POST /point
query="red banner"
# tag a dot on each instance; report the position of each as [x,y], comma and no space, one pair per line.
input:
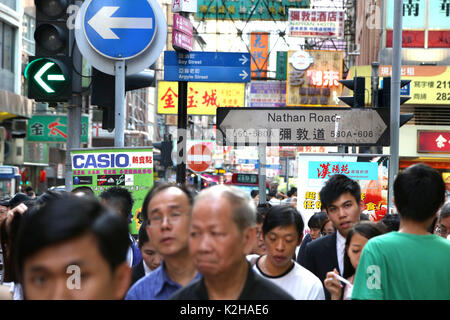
[259,50]
[433,141]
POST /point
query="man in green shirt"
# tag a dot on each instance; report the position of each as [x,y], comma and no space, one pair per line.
[410,264]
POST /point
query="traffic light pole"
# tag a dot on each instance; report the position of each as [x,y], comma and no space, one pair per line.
[395,97]
[74,110]
[182,132]
[120,111]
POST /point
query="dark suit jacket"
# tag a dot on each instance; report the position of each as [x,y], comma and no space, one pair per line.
[321,257]
[137,272]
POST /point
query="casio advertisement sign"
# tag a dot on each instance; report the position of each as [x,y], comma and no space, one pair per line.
[100,161]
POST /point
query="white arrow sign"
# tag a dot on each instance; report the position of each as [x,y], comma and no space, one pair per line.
[102,22]
[244,59]
[303,126]
[243,74]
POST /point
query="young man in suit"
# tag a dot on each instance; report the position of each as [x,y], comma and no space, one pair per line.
[341,198]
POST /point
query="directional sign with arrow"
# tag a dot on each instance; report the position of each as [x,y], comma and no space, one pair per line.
[303,126]
[207,66]
[119,29]
[49,79]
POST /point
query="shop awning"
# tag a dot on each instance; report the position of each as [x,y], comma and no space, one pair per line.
[13,105]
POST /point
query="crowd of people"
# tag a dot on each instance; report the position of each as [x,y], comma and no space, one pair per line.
[219,244]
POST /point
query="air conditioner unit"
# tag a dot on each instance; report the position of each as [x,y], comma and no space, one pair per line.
[19,128]
[16,152]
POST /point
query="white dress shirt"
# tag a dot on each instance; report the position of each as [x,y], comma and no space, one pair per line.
[340,249]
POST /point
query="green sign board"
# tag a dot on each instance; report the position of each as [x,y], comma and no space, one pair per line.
[53,128]
[247,9]
[103,168]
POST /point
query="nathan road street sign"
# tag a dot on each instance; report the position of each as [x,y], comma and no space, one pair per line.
[111,30]
[207,66]
[301,126]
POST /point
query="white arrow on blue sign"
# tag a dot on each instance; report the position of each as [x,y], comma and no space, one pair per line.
[119,29]
[199,66]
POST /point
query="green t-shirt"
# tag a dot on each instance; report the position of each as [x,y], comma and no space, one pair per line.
[403,266]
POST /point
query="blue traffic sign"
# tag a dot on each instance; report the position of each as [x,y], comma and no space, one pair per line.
[119,29]
[207,66]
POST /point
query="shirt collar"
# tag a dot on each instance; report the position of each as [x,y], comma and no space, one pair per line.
[340,239]
[162,278]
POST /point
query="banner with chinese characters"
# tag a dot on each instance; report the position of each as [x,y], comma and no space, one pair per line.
[259,50]
[317,23]
[102,168]
[203,97]
[429,84]
[433,141]
[313,77]
[422,20]
[53,128]
[247,9]
[315,170]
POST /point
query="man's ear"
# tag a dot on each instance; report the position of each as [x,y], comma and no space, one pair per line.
[249,238]
[122,280]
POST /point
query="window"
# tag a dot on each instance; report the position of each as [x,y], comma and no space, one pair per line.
[10,3]
[29,26]
[8,47]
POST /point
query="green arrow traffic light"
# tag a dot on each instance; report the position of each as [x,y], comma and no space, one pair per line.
[49,79]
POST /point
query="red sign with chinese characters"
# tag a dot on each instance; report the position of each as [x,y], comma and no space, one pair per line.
[259,50]
[433,141]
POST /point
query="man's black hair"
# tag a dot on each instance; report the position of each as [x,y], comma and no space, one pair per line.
[336,186]
[419,192]
[291,192]
[66,218]
[254,193]
[283,215]
[316,220]
[121,199]
[142,236]
[84,189]
[391,222]
[161,187]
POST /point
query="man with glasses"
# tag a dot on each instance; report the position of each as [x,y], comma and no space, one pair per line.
[167,213]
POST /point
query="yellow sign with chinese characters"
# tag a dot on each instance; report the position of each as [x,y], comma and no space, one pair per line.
[203,97]
[429,84]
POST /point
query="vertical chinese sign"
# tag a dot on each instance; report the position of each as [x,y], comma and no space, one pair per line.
[314,171]
[203,97]
[259,50]
[103,168]
[313,78]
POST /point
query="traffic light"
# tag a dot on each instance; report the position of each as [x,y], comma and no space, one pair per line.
[49,72]
[384,98]
[358,86]
[165,158]
[104,91]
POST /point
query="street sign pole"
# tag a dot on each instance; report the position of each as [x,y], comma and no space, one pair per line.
[262,173]
[395,98]
[74,110]
[182,132]
[120,110]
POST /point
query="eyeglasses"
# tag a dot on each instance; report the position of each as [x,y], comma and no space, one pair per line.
[157,219]
[443,231]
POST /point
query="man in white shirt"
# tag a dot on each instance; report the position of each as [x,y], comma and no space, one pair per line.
[282,231]
[341,198]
